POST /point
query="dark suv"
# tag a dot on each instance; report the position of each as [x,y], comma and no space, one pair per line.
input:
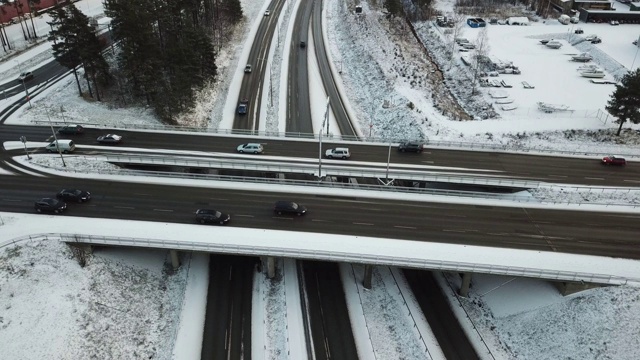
[289,207]
[50,205]
[208,216]
[410,147]
[71,130]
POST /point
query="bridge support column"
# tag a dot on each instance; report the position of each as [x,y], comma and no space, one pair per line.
[271,267]
[368,275]
[466,283]
[175,261]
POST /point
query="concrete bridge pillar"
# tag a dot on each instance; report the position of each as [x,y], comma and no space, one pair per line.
[175,261]
[368,275]
[271,267]
[466,283]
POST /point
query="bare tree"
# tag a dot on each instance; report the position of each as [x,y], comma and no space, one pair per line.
[482,50]
[458,24]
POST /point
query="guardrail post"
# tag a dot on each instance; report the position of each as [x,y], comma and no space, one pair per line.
[466,283]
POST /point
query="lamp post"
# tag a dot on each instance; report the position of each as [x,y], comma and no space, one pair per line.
[24,141]
[326,120]
[23,84]
[55,138]
[388,163]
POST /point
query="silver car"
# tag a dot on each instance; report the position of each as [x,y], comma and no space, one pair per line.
[251,148]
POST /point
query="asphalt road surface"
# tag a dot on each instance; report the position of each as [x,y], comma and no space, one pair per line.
[227,328]
[445,326]
[553,169]
[581,232]
[331,332]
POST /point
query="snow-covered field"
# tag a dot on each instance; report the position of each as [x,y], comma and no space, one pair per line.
[44,288]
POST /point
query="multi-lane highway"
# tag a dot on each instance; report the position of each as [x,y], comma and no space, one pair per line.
[552,169]
[595,233]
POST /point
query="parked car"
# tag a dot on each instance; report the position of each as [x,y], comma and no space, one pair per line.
[596,40]
[579,31]
[74,195]
[267,13]
[247,69]
[411,146]
[71,130]
[242,109]
[252,148]
[338,153]
[614,22]
[62,145]
[289,207]
[209,216]
[110,139]
[50,205]
[25,76]
[614,160]
[635,42]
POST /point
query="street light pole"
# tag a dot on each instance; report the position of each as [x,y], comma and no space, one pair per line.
[24,142]
[23,84]
[55,138]
[388,162]
[326,120]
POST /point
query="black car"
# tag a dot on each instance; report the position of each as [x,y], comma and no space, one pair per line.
[303,44]
[71,130]
[50,205]
[74,195]
[25,76]
[410,147]
[208,216]
[289,207]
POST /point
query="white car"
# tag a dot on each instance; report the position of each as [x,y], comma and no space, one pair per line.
[338,153]
[109,139]
[267,13]
[251,148]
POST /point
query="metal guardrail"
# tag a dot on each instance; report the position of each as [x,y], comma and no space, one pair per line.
[328,170]
[454,145]
[349,257]
[340,185]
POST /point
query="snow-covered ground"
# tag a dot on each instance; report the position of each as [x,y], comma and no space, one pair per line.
[518,318]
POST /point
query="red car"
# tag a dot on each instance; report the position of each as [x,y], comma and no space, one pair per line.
[614,160]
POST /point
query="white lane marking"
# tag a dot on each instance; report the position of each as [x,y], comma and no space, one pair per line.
[17,200]
[25,171]
[366,224]
[453,230]
[633,181]
[219,199]
[141,194]
[319,220]
[428,162]
[240,215]
[124,207]
[559,176]
[592,178]
[163,210]
[404,227]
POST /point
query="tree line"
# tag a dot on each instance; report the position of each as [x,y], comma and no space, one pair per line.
[166,50]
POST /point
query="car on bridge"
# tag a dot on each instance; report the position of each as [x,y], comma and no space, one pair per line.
[267,13]
[252,148]
[411,146]
[338,153]
[50,205]
[74,194]
[289,207]
[242,109]
[614,160]
[110,139]
[247,69]
[209,216]
[71,130]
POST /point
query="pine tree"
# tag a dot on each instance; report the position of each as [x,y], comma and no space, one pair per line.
[625,101]
[65,47]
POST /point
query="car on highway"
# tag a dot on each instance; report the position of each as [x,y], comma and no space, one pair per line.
[251,148]
[411,146]
[110,139]
[338,153]
[50,205]
[242,109]
[209,216]
[71,130]
[614,160]
[25,76]
[303,44]
[289,207]
[74,195]
[267,13]
[247,69]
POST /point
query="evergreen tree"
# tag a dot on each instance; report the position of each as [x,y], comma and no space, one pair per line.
[394,7]
[65,48]
[625,101]
[235,11]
